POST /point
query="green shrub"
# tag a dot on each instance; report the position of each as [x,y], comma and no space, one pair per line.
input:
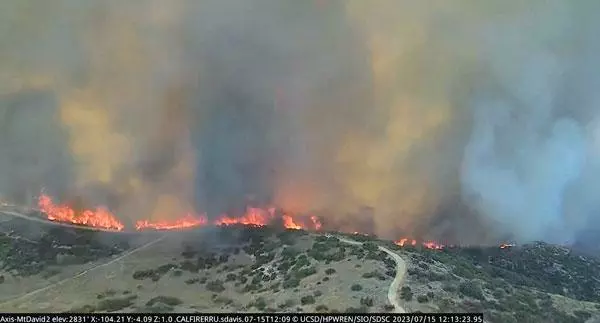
[471,289]
[499,293]
[289,253]
[366,301]
[115,304]
[406,293]
[286,304]
[143,274]
[370,246]
[450,287]
[356,288]
[275,286]
[292,282]
[463,271]
[163,269]
[446,304]
[306,300]
[436,276]
[369,275]
[215,286]
[422,299]
[168,300]
[287,237]
[260,303]
[305,272]
[330,271]
[321,308]
[252,287]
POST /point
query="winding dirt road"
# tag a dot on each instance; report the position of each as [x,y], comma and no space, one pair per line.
[392,291]
[400,273]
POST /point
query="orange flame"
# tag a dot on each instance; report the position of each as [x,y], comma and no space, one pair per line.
[317,224]
[103,218]
[426,244]
[187,221]
[289,223]
[100,218]
[432,245]
[253,216]
[403,242]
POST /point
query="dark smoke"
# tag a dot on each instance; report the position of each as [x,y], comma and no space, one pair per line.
[471,122]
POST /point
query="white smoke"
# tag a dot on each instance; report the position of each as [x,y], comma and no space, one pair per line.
[528,151]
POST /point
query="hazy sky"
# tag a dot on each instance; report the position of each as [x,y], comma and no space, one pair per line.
[467,120]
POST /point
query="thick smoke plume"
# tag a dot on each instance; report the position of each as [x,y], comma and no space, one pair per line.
[466,120]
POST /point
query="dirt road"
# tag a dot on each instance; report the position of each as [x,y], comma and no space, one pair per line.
[400,273]
[66,280]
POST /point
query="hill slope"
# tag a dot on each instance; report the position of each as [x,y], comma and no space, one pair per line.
[242,268]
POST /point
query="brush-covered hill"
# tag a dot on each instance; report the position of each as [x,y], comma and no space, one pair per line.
[536,282]
[239,268]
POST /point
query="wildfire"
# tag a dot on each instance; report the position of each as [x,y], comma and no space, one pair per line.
[403,242]
[253,216]
[187,221]
[103,218]
[506,245]
[289,223]
[316,222]
[426,244]
[433,245]
[100,218]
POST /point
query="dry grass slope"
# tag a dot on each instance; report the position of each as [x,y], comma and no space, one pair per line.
[219,269]
[268,269]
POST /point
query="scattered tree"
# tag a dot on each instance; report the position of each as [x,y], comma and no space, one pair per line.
[422,299]
[215,286]
[406,293]
[366,301]
[471,289]
[356,288]
[307,300]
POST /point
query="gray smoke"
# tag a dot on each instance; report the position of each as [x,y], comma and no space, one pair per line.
[471,121]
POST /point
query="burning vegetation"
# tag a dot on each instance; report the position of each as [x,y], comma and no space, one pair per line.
[103,219]
[100,217]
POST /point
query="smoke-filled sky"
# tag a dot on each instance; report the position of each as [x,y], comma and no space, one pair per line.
[465,120]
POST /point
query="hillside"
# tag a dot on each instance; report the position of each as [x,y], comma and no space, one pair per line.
[530,283]
[240,268]
[234,268]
